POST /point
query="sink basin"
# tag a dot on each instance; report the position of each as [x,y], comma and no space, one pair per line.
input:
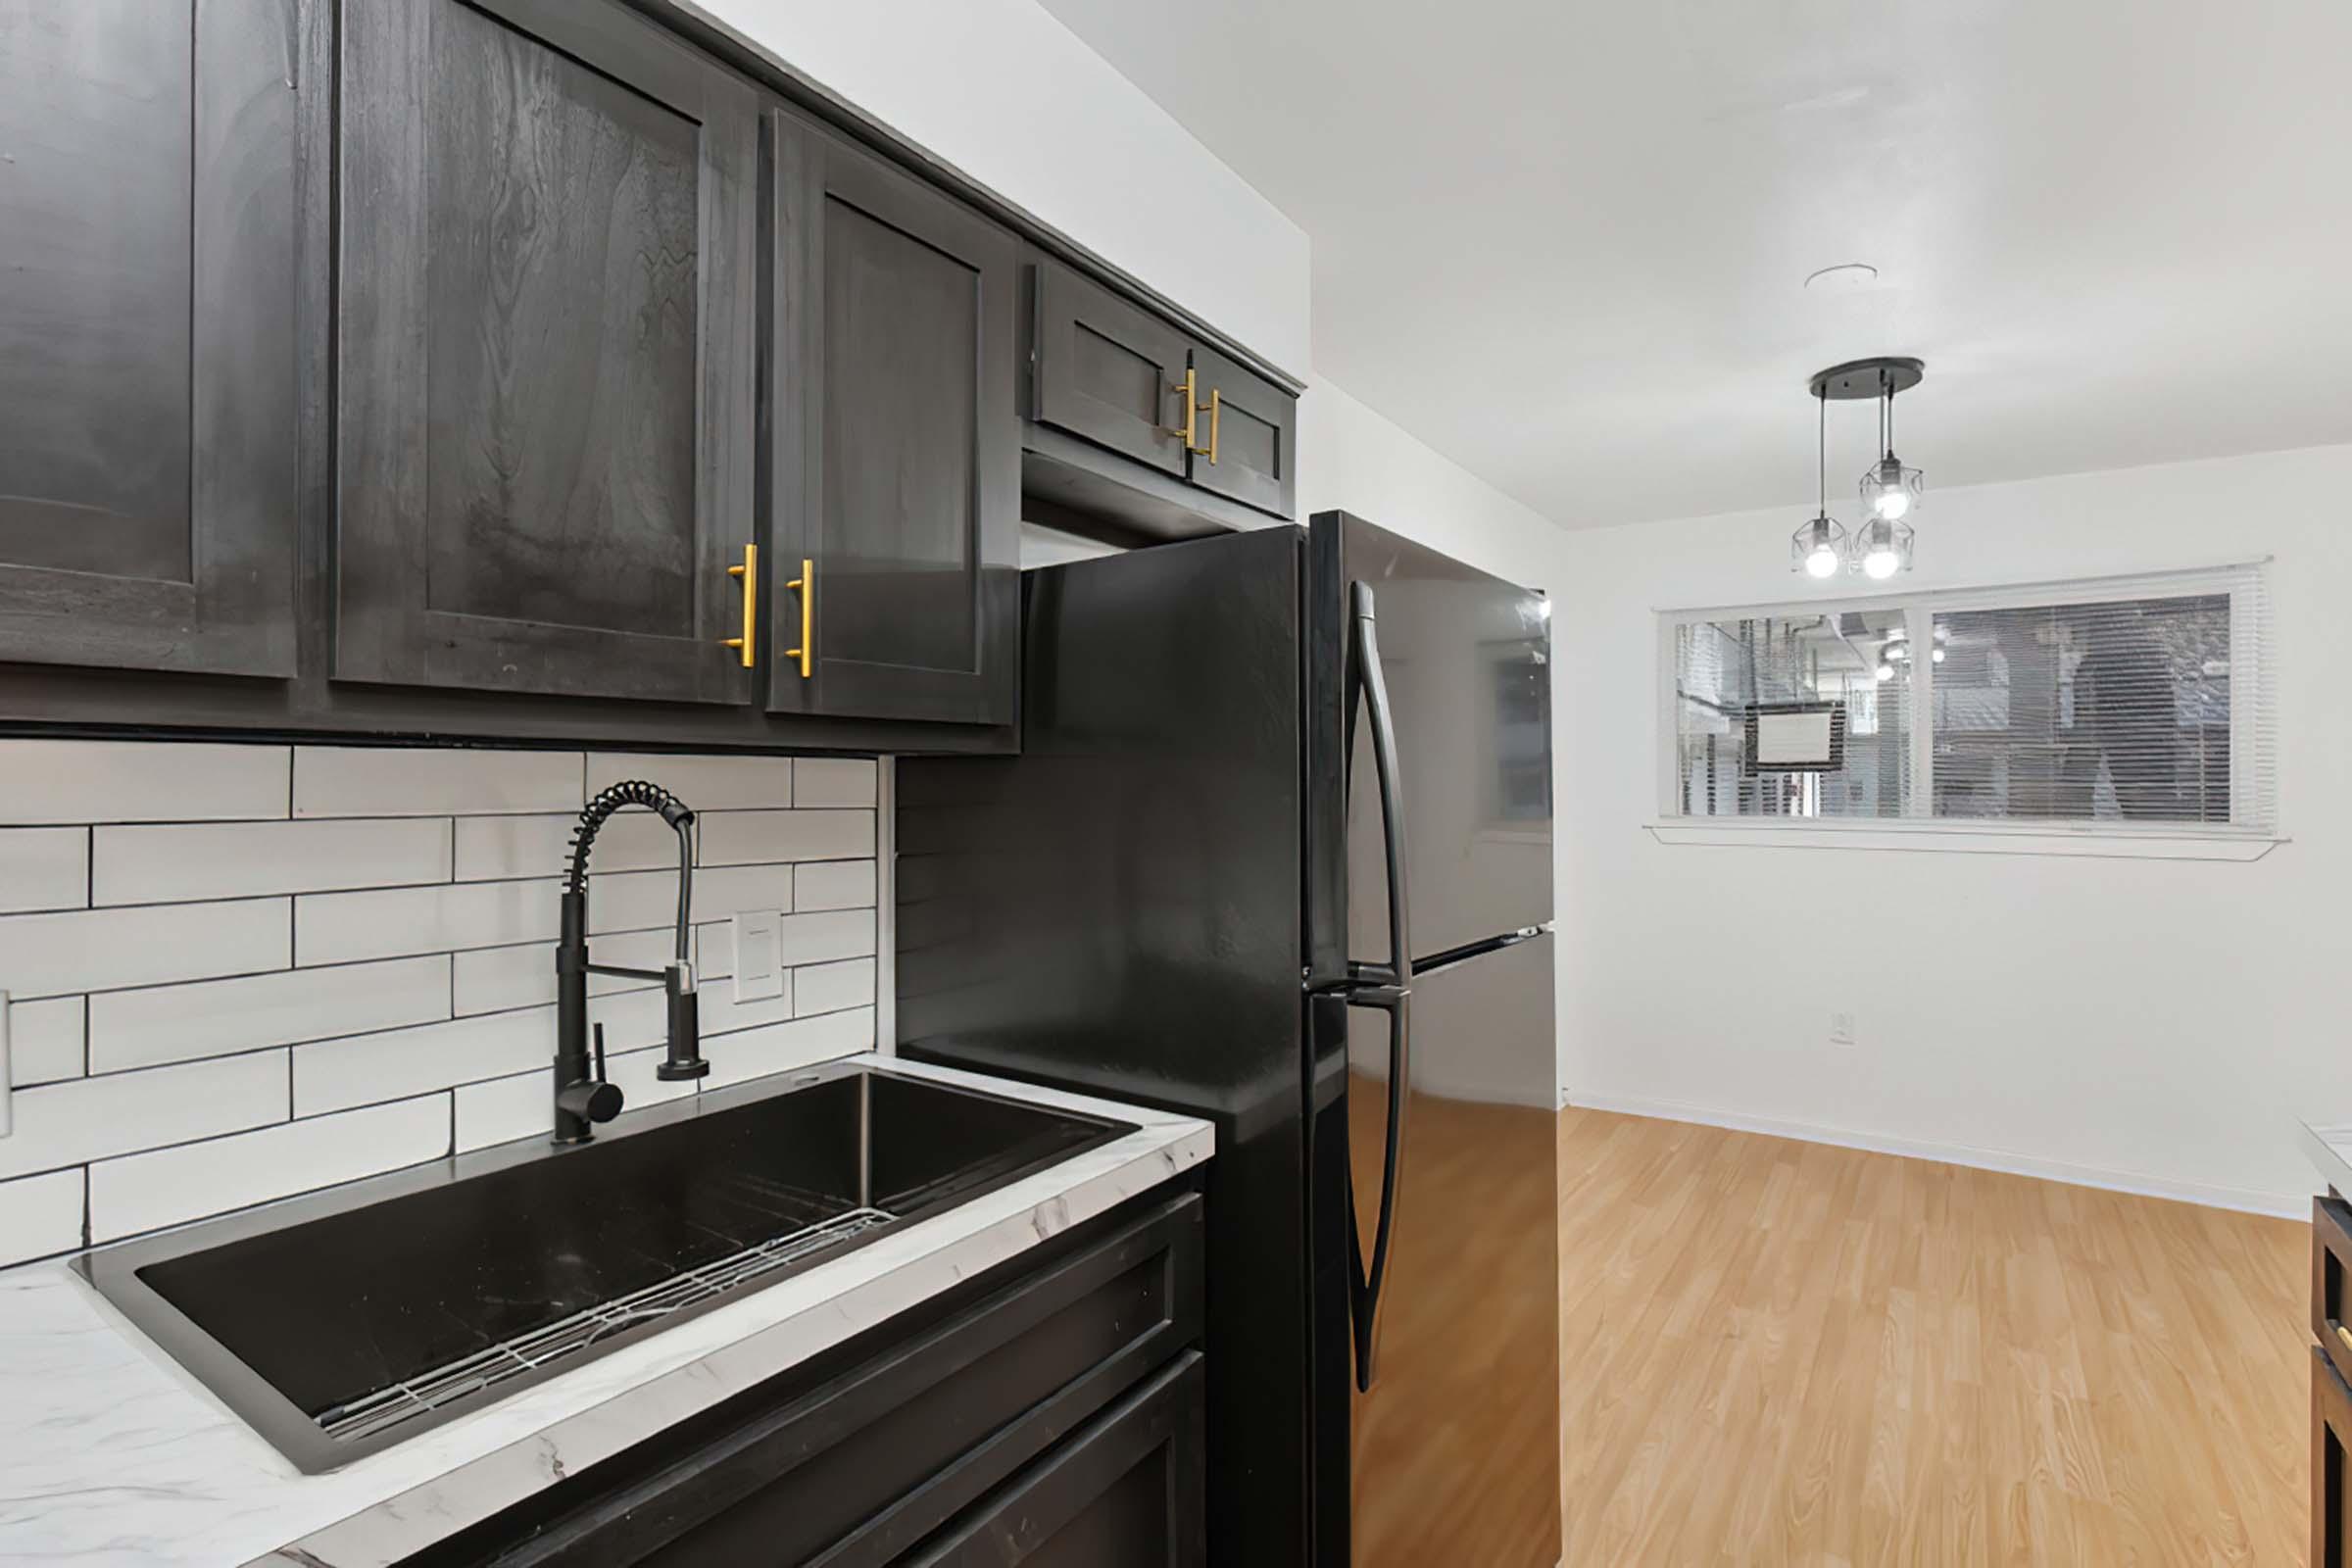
[343,1323]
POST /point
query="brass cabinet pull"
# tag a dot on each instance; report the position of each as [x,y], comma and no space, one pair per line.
[1188,431]
[749,572]
[1215,406]
[805,586]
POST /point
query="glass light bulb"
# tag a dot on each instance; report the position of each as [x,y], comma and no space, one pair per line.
[1938,655]
[1880,564]
[1821,562]
[1892,503]
[1886,671]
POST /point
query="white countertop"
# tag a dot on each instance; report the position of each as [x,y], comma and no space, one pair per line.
[2329,1145]
[110,1453]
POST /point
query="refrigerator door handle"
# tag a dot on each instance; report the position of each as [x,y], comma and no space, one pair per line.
[1367,1281]
[1389,989]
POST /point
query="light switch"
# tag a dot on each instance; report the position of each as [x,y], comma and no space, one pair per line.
[758,955]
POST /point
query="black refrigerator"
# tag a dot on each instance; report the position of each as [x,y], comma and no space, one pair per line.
[1277,853]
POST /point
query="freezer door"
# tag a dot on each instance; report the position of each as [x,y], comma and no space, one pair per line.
[1467,661]
[1455,1447]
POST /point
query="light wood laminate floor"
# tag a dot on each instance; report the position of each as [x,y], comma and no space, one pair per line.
[1777,1352]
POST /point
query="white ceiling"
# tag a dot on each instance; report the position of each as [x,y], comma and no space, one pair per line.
[1565,241]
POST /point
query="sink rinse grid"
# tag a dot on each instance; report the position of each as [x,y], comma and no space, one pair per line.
[510,1358]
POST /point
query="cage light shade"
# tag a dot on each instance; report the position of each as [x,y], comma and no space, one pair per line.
[1818,548]
[1880,549]
[1891,491]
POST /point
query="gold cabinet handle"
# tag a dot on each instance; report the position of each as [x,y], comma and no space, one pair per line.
[1188,431]
[1215,406]
[749,572]
[805,586]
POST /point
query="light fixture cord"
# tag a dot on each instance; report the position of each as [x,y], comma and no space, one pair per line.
[1887,412]
[1821,448]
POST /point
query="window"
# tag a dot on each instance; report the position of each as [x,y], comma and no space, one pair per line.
[2124,703]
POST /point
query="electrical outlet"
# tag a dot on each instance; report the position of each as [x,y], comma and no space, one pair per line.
[1841,1028]
[758,955]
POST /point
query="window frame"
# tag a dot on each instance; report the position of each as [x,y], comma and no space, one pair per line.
[2253,749]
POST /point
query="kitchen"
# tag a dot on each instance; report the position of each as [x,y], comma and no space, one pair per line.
[745,820]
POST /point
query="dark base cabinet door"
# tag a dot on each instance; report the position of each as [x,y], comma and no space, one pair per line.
[545,351]
[2330,1466]
[1124,1492]
[147,358]
[894,470]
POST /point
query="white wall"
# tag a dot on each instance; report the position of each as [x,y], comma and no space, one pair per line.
[1007,94]
[2157,1026]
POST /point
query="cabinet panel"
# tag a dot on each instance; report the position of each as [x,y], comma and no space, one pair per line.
[147,359]
[1124,1492]
[2330,1465]
[897,465]
[545,350]
[1250,428]
[1106,370]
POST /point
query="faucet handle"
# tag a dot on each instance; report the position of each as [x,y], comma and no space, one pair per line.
[601,1076]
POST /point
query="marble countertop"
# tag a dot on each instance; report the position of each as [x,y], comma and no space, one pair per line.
[2329,1147]
[110,1453]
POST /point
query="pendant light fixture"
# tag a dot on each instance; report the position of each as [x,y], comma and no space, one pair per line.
[1818,549]
[1882,546]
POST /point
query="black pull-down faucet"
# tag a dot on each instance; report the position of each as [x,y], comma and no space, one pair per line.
[584,1097]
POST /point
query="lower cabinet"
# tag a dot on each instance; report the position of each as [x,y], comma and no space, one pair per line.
[2330,1468]
[1048,1412]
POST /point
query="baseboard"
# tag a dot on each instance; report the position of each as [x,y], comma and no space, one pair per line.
[2238,1199]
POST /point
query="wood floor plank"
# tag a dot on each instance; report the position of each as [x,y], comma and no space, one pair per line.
[1782,1353]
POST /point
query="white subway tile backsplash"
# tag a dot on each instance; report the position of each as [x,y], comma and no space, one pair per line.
[44,868]
[391,923]
[171,1185]
[831,987]
[139,781]
[782,1047]
[101,950]
[491,846]
[157,1024]
[833,885]
[818,938]
[631,901]
[244,971]
[428,781]
[833,781]
[704,783]
[157,864]
[722,1015]
[41,1216]
[398,1063]
[743,838]
[495,979]
[91,1118]
[45,1040]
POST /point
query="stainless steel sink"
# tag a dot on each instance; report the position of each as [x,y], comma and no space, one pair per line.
[343,1323]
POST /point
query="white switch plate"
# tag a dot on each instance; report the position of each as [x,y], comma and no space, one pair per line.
[758,955]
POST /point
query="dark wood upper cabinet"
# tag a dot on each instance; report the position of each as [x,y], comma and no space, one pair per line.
[147,335]
[1109,370]
[893,464]
[545,338]
[1247,435]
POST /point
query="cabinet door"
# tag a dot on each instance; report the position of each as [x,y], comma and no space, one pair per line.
[895,459]
[2330,1466]
[147,469]
[545,350]
[1250,431]
[1124,1492]
[1107,370]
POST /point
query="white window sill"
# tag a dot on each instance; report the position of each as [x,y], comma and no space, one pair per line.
[1970,838]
